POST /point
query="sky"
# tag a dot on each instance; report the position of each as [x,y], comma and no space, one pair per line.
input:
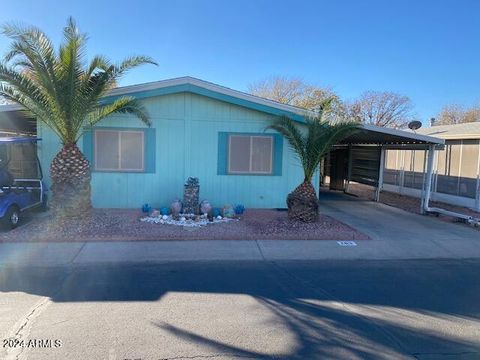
[427,50]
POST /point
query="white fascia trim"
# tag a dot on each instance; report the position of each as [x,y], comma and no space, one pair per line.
[187,80]
[402,133]
[461,136]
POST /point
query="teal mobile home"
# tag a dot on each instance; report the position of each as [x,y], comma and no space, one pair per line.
[198,129]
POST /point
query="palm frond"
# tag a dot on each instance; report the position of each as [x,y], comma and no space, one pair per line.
[314,139]
[292,133]
[98,63]
[34,53]
[133,62]
[60,88]
[34,105]
[123,105]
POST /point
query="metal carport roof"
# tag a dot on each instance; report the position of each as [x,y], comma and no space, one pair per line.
[391,138]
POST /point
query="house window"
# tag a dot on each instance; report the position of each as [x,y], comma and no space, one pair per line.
[119,150]
[250,154]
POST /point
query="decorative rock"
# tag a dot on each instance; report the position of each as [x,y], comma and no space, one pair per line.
[165,217]
[176,207]
[192,181]
[185,222]
[191,192]
[228,211]
[155,213]
[205,207]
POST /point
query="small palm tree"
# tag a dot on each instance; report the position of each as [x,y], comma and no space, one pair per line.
[65,93]
[310,142]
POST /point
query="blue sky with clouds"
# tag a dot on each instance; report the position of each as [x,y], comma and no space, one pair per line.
[428,50]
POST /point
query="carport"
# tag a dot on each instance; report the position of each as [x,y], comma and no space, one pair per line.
[15,122]
[361,158]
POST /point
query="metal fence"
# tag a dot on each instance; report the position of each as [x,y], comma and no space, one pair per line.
[456,172]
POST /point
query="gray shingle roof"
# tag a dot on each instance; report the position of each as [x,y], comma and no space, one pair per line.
[457,131]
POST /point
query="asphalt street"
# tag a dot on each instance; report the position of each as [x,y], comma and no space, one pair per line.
[342,309]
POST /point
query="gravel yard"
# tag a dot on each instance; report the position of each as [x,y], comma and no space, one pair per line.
[125,225]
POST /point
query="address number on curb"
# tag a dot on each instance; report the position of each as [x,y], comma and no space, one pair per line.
[347,243]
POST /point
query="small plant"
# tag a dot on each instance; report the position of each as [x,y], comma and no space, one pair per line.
[165,211]
[146,208]
[239,209]
[217,212]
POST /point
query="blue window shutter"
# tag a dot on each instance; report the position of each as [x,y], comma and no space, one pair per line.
[150,150]
[222,153]
[88,145]
[277,154]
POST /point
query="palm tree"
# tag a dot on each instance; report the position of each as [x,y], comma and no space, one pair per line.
[64,92]
[310,142]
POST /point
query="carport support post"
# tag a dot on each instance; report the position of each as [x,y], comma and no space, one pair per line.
[477,197]
[349,169]
[381,168]
[428,185]
[422,197]
[477,193]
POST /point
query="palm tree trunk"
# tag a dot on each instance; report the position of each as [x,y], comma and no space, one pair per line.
[303,203]
[71,192]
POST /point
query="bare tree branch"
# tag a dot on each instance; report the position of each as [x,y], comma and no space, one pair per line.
[296,92]
[457,114]
[385,109]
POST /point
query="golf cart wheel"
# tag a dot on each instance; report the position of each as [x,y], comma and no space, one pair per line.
[12,217]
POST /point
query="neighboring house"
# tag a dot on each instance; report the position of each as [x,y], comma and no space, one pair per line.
[456,168]
[198,129]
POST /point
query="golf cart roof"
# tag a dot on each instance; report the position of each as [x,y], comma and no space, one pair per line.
[23,139]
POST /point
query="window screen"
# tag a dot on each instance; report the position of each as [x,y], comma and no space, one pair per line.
[131,150]
[239,154]
[449,167]
[391,173]
[119,150]
[250,154]
[468,169]
[261,154]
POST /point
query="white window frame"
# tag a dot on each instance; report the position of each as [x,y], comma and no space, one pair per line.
[119,134]
[250,171]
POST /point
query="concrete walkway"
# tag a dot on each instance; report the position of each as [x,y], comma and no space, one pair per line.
[395,234]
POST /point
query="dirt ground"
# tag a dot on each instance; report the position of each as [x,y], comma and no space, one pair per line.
[405,202]
[125,225]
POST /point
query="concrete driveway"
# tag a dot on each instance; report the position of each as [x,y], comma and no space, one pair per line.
[383,222]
